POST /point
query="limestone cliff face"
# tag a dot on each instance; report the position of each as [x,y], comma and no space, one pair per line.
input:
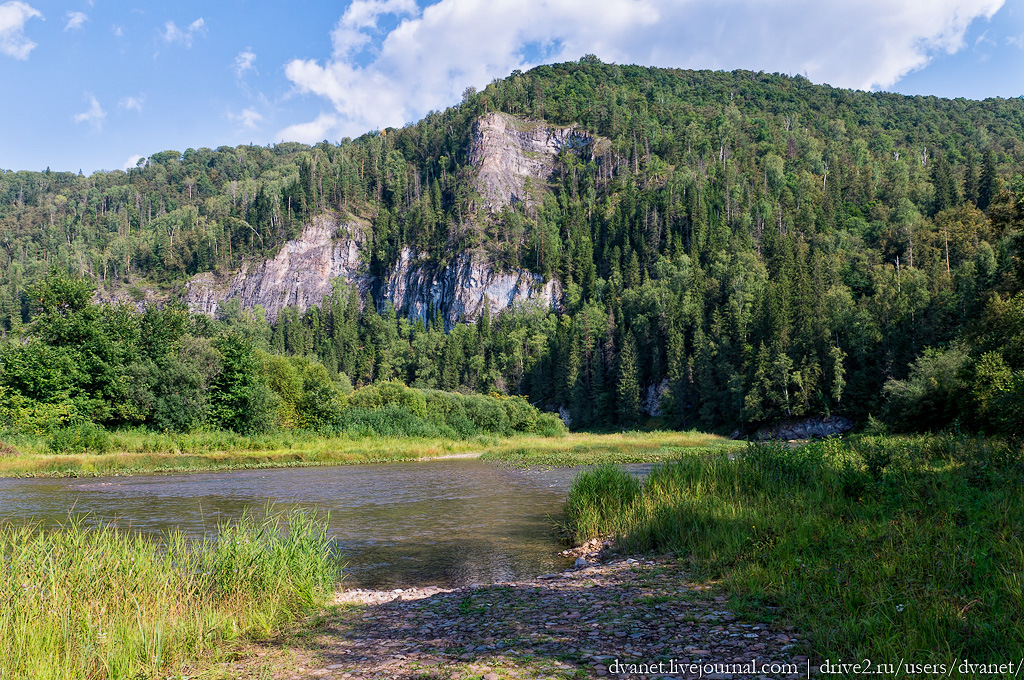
[514,159]
[459,290]
[301,274]
[509,153]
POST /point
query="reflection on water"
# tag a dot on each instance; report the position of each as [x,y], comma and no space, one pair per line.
[447,522]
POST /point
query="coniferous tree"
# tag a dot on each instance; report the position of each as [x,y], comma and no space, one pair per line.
[628,387]
[988,185]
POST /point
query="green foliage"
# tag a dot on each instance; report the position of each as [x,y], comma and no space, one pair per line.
[932,396]
[872,546]
[597,500]
[82,437]
[239,397]
[770,247]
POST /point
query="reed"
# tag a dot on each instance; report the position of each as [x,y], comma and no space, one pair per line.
[79,602]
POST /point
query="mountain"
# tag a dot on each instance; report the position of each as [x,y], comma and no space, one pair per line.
[720,248]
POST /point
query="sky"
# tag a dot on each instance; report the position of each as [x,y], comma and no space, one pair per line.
[100,84]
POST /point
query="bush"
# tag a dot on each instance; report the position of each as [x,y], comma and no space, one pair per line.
[390,393]
[86,436]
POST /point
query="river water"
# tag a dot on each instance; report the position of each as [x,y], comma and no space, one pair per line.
[444,522]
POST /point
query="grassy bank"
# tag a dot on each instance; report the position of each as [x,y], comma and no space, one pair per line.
[88,603]
[881,548]
[582,448]
[141,451]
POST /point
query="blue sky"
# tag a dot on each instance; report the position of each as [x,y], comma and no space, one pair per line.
[98,84]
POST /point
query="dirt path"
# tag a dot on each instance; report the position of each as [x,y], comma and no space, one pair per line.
[584,623]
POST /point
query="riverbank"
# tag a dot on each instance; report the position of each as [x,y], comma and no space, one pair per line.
[81,603]
[880,548]
[588,622]
[140,452]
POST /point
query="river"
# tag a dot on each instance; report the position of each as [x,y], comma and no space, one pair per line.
[444,522]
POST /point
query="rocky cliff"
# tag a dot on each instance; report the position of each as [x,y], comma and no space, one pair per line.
[300,275]
[514,158]
[459,290]
[303,274]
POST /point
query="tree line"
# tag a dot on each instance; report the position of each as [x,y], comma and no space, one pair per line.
[749,245]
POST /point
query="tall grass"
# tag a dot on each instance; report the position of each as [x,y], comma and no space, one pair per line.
[598,499]
[881,548]
[101,603]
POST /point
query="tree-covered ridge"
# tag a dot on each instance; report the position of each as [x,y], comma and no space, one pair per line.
[768,247]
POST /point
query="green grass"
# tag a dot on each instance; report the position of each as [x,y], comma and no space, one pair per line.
[100,603]
[583,448]
[880,548]
[136,451]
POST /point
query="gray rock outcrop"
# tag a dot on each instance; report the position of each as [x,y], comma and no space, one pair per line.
[303,273]
[514,158]
[806,428]
[300,275]
[459,290]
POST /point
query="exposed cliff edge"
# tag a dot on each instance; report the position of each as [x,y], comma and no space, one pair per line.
[303,274]
[514,157]
[300,275]
[458,291]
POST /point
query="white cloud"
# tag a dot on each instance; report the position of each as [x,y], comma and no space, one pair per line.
[311,132]
[173,34]
[132,162]
[117,30]
[94,115]
[1016,41]
[245,61]
[249,118]
[13,17]
[76,20]
[431,56]
[131,103]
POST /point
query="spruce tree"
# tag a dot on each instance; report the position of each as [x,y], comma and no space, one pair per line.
[628,389]
[989,184]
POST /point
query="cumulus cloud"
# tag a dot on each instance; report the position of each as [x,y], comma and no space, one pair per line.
[312,132]
[244,61]
[94,115]
[132,103]
[249,118]
[173,34]
[76,20]
[13,17]
[132,162]
[433,54]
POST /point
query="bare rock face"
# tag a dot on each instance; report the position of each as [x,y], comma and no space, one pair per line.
[806,428]
[510,153]
[460,290]
[301,274]
[652,398]
[514,159]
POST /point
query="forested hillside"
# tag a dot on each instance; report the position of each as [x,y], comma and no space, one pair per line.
[745,247]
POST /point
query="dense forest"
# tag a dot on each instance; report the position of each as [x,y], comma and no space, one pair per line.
[746,247]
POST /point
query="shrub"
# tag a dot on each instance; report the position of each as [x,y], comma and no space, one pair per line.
[85,436]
